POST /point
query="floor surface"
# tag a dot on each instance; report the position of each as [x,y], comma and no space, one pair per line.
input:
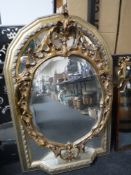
[115,163]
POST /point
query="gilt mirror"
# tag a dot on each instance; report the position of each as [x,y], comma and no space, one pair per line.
[58,73]
[122,99]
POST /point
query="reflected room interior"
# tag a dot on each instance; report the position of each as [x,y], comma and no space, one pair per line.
[65,98]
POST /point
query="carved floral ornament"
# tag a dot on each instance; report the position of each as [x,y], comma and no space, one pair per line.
[123,64]
[62,36]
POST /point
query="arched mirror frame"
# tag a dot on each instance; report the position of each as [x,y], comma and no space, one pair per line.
[19,85]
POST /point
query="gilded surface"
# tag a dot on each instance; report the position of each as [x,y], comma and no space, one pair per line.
[122,66]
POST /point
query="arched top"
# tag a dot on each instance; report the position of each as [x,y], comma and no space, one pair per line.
[36,27]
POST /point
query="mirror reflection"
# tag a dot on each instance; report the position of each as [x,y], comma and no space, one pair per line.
[65,98]
[128,71]
[124,111]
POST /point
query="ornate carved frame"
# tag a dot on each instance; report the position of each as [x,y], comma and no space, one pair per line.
[87,43]
[122,65]
[123,62]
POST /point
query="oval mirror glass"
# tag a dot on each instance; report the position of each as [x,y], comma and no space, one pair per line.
[65,98]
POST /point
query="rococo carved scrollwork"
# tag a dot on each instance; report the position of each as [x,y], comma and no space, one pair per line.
[64,38]
[123,64]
